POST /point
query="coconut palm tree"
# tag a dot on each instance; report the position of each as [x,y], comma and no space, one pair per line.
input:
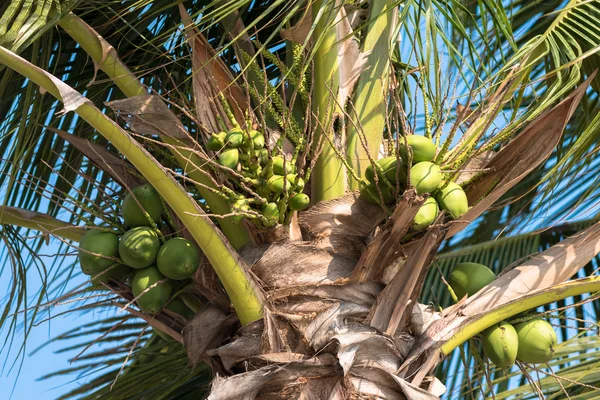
[314,280]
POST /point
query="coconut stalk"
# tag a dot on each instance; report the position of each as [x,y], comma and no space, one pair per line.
[370,100]
[329,173]
[107,60]
[40,222]
[228,266]
[527,302]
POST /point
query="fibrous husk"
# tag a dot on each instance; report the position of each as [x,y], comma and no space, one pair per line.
[342,225]
[386,248]
[389,314]
[275,377]
[211,78]
[209,327]
[149,115]
[304,265]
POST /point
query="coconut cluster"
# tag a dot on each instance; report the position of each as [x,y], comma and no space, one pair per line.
[388,177]
[531,341]
[152,264]
[272,176]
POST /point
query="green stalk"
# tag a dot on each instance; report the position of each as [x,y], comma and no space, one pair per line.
[369,111]
[222,257]
[106,59]
[39,222]
[329,174]
[528,302]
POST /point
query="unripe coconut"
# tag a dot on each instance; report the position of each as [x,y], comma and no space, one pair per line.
[370,194]
[468,278]
[154,299]
[148,197]
[278,163]
[234,138]
[426,215]
[453,199]
[178,306]
[229,158]
[216,141]
[178,259]
[103,245]
[501,343]
[299,202]
[120,272]
[138,247]
[276,184]
[271,212]
[423,149]
[537,340]
[295,181]
[388,166]
[425,177]
[258,140]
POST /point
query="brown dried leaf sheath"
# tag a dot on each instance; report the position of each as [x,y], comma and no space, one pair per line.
[519,157]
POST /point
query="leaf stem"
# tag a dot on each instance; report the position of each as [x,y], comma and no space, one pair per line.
[328,175]
[530,301]
[40,222]
[106,59]
[225,261]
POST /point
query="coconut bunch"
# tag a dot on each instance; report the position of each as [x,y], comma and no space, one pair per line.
[389,177]
[278,189]
[153,264]
[530,340]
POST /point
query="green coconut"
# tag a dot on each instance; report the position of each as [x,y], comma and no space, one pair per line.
[389,166]
[148,197]
[154,299]
[216,141]
[453,199]
[423,149]
[229,158]
[295,181]
[258,140]
[103,245]
[138,247]
[425,177]
[500,344]
[271,212]
[178,259]
[468,278]
[234,138]
[370,194]
[278,163]
[299,202]
[426,215]
[537,341]
[276,184]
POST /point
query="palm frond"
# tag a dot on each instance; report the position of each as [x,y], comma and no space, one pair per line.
[462,372]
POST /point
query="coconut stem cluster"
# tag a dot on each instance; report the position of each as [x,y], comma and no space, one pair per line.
[387,179]
[271,175]
[153,269]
